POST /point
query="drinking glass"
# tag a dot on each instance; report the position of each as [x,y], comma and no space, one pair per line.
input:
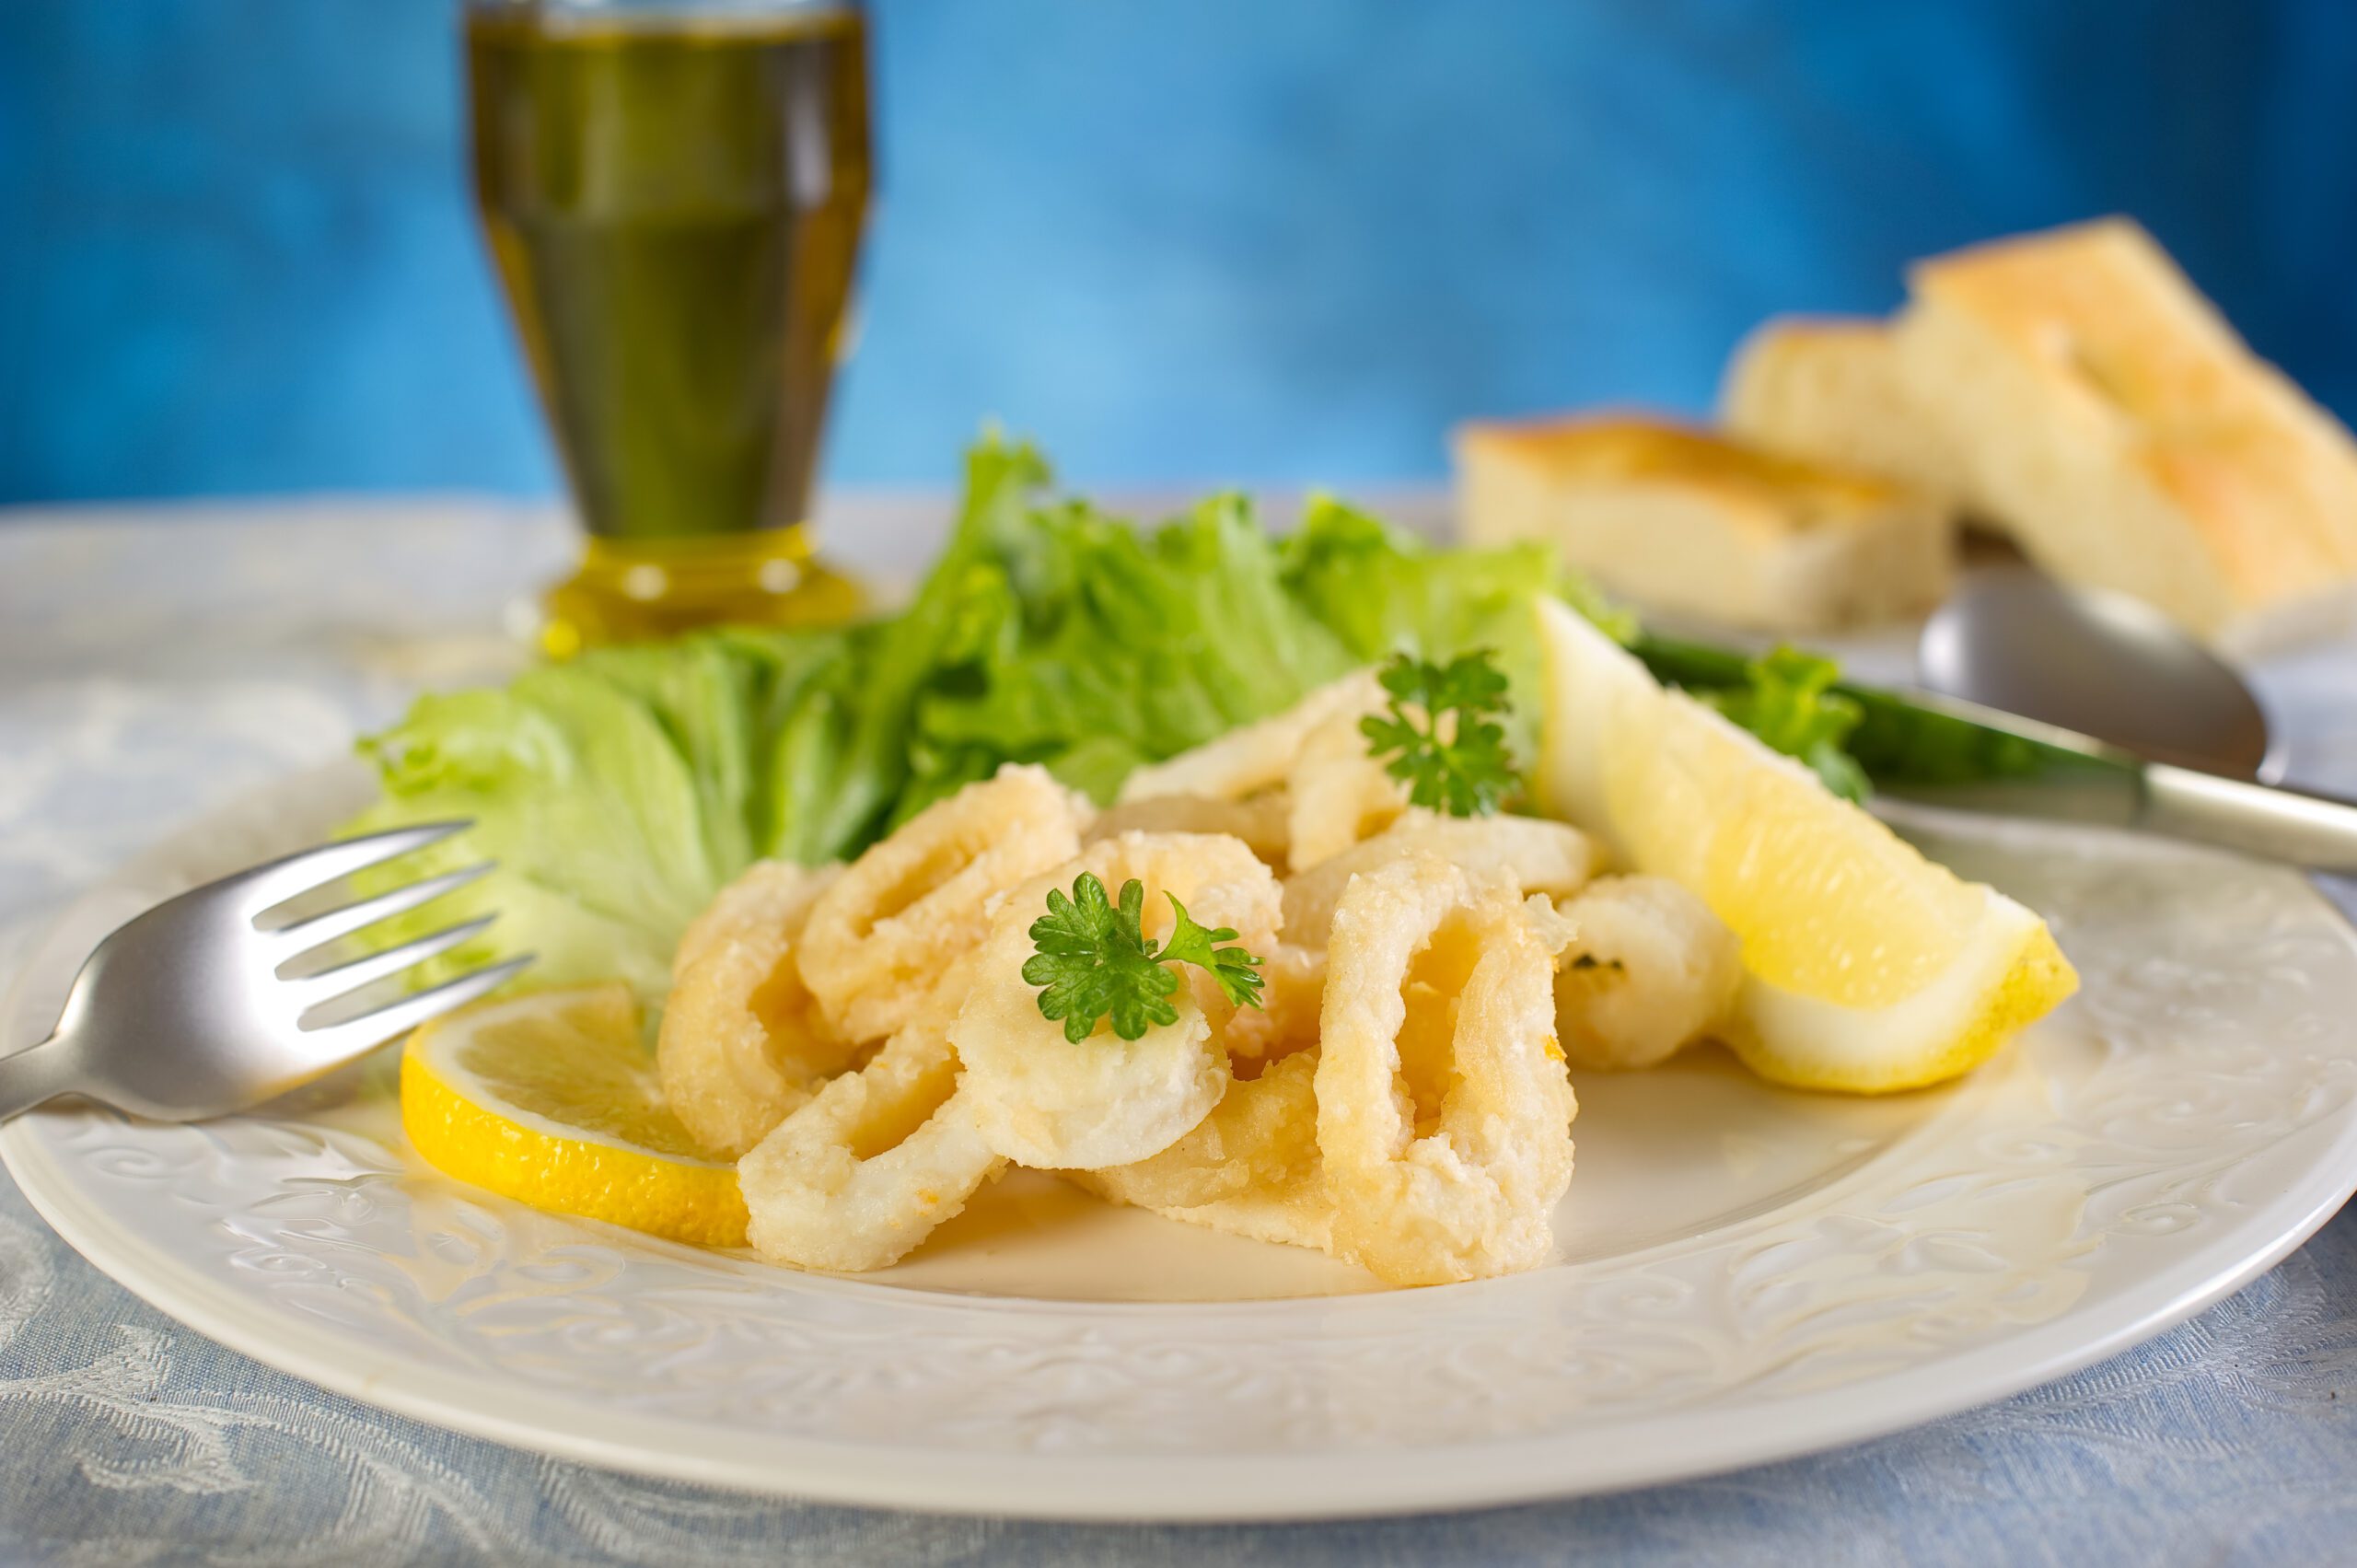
[673,193]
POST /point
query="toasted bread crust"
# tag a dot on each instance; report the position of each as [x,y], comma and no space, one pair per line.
[1829,389]
[1681,520]
[2110,419]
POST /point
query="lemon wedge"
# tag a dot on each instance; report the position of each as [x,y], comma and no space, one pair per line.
[552,1098]
[1866,967]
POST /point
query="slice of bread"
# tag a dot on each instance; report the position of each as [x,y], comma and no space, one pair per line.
[1829,389]
[2109,419]
[1680,520]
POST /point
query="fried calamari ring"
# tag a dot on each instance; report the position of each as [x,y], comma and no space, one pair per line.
[1255,757]
[1293,1217]
[744,902]
[1293,987]
[1456,1177]
[1255,1154]
[742,1042]
[1258,819]
[1649,970]
[1338,793]
[1263,1133]
[1043,1100]
[859,1176]
[1539,856]
[905,910]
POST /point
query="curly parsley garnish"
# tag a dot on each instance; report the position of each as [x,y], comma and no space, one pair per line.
[1461,767]
[1787,701]
[1094,960]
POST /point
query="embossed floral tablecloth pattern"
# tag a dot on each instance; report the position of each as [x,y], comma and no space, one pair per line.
[154,664]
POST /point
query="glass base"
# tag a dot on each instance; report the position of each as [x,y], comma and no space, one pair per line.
[632,590]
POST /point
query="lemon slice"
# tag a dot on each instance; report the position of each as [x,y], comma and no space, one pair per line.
[552,1098]
[1866,967]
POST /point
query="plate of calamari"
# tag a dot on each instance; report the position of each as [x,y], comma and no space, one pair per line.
[1198,1021]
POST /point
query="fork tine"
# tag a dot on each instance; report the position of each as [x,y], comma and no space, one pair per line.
[322,928]
[279,880]
[356,1035]
[318,989]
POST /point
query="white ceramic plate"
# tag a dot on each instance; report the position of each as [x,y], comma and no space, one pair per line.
[1747,1274]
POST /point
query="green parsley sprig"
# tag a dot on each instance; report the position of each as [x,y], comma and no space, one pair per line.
[1461,767]
[1787,700]
[1095,961]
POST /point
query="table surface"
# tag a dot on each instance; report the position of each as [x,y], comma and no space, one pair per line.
[157,662]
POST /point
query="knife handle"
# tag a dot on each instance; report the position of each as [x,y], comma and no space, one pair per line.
[2296,826]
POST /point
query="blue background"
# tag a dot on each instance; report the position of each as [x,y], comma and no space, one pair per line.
[1177,239]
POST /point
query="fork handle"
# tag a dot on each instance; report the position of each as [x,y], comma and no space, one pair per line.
[35,1076]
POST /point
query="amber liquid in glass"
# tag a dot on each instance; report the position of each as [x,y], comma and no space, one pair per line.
[674,202]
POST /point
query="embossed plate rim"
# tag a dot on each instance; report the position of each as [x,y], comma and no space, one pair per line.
[1616,1451]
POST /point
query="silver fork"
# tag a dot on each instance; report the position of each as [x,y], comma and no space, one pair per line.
[191,1010]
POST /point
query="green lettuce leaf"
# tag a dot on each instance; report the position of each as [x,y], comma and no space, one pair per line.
[591,811]
[1787,701]
[620,791]
[1383,590]
[1105,648]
